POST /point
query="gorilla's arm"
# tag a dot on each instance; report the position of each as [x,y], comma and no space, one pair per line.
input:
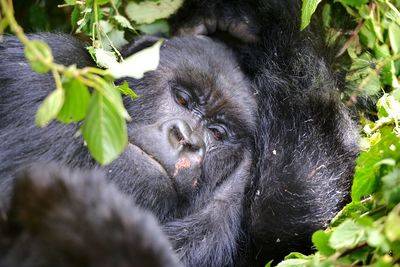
[58,217]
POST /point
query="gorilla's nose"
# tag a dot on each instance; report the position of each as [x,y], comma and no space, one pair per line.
[184,139]
[187,152]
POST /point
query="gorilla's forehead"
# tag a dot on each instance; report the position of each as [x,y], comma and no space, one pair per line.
[209,69]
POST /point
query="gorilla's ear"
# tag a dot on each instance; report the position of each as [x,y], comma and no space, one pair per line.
[139,44]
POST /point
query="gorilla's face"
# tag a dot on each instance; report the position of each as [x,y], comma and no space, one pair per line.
[191,127]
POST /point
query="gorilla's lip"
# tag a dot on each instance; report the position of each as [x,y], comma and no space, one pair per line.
[150,158]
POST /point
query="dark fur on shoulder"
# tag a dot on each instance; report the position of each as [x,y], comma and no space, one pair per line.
[62,218]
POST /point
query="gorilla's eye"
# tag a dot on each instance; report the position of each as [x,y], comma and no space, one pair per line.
[219,132]
[182,98]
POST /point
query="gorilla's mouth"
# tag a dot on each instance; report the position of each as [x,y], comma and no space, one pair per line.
[151,159]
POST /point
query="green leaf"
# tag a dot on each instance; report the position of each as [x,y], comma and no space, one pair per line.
[366,178]
[76,102]
[391,187]
[394,37]
[50,107]
[307,10]
[136,65]
[159,26]
[109,91]
[125,90]
[392,224]
[320,240]
[39,56]
[353,3]
[269,264]
[294,263]
[105,59]
[150,11]
[104,130]
[347,235]
[123,22]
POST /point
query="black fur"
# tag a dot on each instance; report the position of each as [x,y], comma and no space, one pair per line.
[306,144]
[283,175]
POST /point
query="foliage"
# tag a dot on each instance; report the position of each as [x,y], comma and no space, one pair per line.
[101,111]
[367,231]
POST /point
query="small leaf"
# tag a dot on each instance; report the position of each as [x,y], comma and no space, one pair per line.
[150,11]
[50,107]
[39,56]
[307,10]
[294,263]
[123,22]
[76,102]
[394,37]
[353,3]
[105,59]
[104,130]
[347,235]
[125,90]
[269,264]
[136,65]
[320,240]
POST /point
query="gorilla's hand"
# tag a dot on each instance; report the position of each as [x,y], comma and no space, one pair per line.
[222,19]
[213,230]
[61,218]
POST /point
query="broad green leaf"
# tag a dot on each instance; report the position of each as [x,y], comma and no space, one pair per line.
[320,240]
[104,130]
[150,11]
[39,56]
[125,90]
[76,102]
[366,178]
[394,37]
[307,10]
[392,225]
[109,91]
[136,65]
[347,235]
[50,107]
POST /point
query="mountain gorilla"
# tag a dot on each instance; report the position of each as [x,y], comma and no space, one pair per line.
[240,153]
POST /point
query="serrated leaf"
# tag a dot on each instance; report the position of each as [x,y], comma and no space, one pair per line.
[76,102]
[123,22]
[320,240]
[307,10]
[125,90]
[394,37]
[104,130]
[50,107]
[347,235]
[39,56]
[136,65]
[150,11]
